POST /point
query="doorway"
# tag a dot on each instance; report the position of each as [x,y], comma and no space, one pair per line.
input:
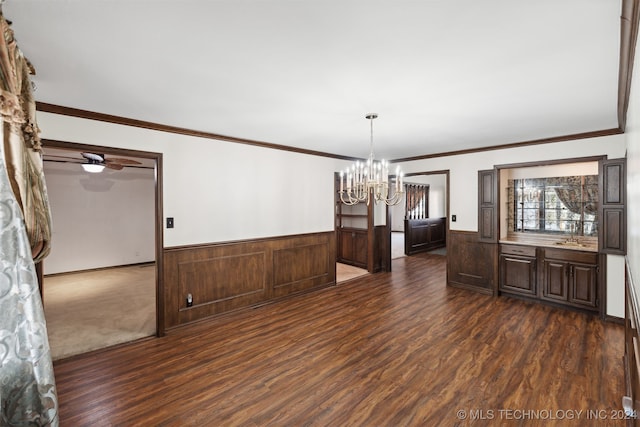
[432,206]
[102,281]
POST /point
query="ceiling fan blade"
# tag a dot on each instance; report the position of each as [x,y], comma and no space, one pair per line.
[114,166]
[122,161]
[52,157]
[94,157]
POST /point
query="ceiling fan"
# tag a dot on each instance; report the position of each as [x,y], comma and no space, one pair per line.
[97,162]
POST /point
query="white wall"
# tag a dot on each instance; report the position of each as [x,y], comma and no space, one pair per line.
[633,176]
[99,220]
[220,191]
[437,199]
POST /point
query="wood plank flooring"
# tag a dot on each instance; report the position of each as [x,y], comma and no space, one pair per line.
[390,349]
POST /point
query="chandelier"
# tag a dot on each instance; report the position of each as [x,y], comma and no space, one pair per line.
[364,181]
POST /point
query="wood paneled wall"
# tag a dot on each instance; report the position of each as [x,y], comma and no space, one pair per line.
[227,276]
[632,344]
[381,249]
[472,264]
[421,235]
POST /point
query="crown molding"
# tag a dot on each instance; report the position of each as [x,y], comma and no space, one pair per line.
[92,115]
[584,135]
[75,112]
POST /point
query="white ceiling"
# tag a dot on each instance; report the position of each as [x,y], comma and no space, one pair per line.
[443,75]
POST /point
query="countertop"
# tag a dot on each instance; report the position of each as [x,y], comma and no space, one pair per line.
[579,243]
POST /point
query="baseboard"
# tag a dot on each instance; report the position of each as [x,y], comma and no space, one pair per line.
[472,288]
[138,264]
[613,319]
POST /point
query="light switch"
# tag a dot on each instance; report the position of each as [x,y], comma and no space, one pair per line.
[169,222]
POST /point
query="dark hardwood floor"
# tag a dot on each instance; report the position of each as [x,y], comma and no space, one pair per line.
[390,349]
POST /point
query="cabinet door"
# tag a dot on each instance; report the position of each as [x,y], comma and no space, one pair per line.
[518,274]
[360,249]
[353,247]
[345,245]
[488,206]
[583,285]
[611,210]
[556,280]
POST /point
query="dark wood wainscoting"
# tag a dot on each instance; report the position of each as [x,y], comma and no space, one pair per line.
[472,264]
[632,344]
[227,276]
[381,249]
[421,235]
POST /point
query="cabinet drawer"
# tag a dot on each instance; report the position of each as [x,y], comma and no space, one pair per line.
[518,250]
[571,255]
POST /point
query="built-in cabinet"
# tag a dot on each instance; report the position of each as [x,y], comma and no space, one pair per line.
[571,278]
[518,269]
[561,276]
[421,235]
[352,246]
[353,223]
[613,237]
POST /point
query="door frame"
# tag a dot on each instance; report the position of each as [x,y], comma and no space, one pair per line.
[447,174]
[158,227]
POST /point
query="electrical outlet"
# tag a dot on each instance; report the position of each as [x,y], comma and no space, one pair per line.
[169,222]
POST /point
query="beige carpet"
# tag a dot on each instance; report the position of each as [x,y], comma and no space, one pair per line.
[397,244]
[95,309]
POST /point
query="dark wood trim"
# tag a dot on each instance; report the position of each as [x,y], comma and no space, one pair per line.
[550,162]
[439,172]
[584,135]
[40,276]
[386,247]
[629,18]
[159,228]
[472,288]
[114,151]
[108,118]
[159,235]
[602,285]
[614,319]
[239,241]
[372,256]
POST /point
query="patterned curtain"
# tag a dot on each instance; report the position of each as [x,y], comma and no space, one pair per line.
[27,386]
[23,152]
[417,196]
[576,194]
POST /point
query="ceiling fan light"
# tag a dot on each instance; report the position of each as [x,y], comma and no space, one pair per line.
[92,167]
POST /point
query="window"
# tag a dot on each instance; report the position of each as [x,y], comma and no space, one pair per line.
[561,205]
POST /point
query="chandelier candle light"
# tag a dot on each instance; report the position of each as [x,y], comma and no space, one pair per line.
[371,179]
